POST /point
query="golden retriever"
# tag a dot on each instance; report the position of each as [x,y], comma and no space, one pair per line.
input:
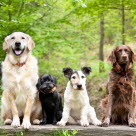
[20,102]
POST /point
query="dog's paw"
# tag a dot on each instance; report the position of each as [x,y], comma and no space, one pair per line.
[43,123]
[104,124]
[97,123]
[132,125]
[26,124]
[15,122]
[36,122]
[84,123]
[54,123]
[7,122]
[61,123]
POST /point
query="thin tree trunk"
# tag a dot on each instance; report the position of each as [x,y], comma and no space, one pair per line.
[123,23]
[9,12]
[101,54]
[21,8]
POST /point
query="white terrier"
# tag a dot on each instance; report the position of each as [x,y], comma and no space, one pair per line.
[76,101]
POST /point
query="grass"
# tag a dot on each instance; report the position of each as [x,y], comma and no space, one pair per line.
[65,133]
[54,133]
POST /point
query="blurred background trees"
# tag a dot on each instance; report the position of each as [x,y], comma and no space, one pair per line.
[71,33]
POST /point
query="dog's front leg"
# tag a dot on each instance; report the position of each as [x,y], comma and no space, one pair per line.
[44,120]
[107,113]
[26,120]
[56,109]
[84,120]
[55,116]
[132,112]
[16,120]
[65,115]
[93,117]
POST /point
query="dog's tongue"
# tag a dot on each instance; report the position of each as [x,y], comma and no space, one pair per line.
[17,52]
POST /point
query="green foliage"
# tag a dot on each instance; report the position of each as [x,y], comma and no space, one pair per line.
[65,133]
[20,133]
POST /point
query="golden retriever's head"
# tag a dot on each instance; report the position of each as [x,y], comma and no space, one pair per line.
[17,43]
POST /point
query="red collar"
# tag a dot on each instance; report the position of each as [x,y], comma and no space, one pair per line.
[42,92]
[20,64]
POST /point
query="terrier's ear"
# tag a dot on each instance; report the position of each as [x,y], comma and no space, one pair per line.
[86,70]
[67,72]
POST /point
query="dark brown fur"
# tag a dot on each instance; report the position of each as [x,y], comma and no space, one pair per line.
[119,106]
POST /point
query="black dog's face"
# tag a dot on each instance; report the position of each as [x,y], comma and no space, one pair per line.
[46,83]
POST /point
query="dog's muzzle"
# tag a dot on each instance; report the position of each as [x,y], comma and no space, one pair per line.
[47,87]
[17,49]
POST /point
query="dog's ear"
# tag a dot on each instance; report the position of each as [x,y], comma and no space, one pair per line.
[5,44]
[112,57]
[38,84]
[67,72]
[132,55]
[54,79]
[86,70]
[31,43]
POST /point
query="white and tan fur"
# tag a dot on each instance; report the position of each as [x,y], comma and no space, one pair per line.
[20,96]
[76,101]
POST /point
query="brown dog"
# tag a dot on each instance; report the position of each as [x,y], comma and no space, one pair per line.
[119,106]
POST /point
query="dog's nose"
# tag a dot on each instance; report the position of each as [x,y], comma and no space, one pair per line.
[79,85]
[124,56]
[17,44]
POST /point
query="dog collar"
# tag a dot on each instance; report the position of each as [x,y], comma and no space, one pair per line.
[50,92]
[20,64]
[42,92]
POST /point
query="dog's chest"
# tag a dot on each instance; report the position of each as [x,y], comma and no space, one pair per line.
[48,101]
[77,101]
[18,78]
[122,93]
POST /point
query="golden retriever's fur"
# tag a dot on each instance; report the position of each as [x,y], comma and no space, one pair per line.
[20,97]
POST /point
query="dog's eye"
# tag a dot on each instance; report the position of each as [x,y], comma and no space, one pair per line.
[23,37]
[82,77]
[12,37]
[73,77]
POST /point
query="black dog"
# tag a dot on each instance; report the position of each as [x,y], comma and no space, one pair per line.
[50,99]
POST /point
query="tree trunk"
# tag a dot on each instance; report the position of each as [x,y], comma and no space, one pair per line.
[101,54]
[123,23]
[9,12]
[21,8]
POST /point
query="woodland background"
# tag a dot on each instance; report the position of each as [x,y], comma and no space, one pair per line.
[72,33]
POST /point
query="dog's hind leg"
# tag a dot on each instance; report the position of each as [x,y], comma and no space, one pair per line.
[92,116]
[6,113]
[71,121]
[36,114]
